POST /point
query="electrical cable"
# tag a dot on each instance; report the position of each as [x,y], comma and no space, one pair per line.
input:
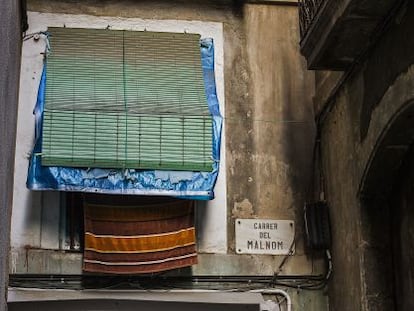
[284,260]
[225,283]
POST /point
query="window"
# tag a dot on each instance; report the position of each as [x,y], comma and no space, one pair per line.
[28,204]
[125,99]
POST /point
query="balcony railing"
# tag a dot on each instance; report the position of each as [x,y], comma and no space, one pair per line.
[308,10]
[335,32]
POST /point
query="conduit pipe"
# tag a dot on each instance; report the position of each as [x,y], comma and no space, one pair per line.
[275,291]
[18,294]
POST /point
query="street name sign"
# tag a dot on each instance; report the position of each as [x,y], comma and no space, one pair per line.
[265,236]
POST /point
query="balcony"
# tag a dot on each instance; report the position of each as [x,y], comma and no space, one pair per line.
[335,32]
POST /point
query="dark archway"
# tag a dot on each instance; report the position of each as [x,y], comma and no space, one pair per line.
[384,191]
[402,212]
[388,154]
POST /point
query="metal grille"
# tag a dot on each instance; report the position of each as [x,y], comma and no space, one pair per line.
[308,9]
[124,99]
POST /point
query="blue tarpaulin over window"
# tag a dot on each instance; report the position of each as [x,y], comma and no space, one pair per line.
[194,185]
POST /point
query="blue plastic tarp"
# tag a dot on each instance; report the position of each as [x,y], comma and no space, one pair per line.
[194,185]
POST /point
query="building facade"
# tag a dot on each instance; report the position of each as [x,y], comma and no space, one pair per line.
[265,95]
[363,102]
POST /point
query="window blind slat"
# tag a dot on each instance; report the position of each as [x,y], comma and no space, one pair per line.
[125,99]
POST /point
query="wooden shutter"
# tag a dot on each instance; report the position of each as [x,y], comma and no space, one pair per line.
[125,99]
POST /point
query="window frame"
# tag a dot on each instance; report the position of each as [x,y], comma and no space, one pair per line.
[212,221]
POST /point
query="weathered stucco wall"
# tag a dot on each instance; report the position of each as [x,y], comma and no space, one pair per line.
[9,94]
[365,134]
[269,130]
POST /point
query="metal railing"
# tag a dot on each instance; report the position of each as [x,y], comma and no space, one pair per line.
[308,9]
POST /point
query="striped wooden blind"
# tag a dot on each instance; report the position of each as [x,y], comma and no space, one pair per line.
[125,99]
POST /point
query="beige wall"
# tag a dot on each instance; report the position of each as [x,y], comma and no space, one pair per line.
[270,128]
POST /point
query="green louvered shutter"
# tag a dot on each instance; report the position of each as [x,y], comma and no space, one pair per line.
[125,99]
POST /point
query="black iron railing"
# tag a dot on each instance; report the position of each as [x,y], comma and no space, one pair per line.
[308,10]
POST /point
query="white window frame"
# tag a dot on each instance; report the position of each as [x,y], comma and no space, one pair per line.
[28,225]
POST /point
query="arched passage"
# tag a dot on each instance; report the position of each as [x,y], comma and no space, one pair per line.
[388,153]
[387,214]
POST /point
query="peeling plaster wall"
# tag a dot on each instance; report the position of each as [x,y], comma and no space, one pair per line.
[270,128]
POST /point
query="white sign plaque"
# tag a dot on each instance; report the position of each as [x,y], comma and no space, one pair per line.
[265,236]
